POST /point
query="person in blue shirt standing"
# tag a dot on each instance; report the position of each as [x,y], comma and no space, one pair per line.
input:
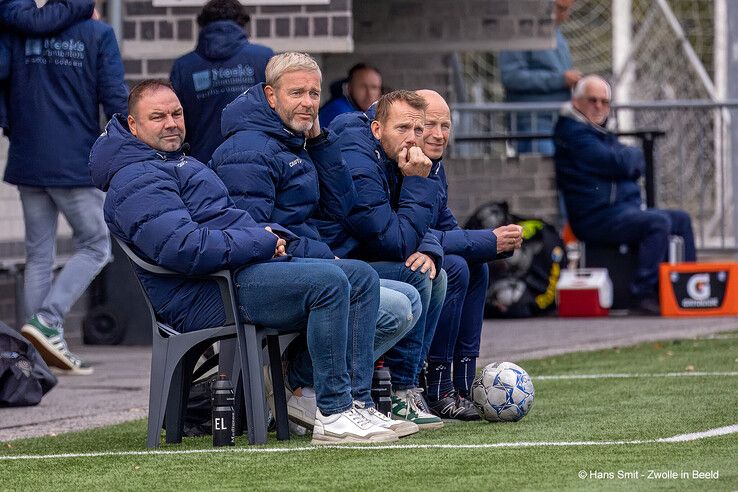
[223,65]
[56,84]
[535,76]
[363,88]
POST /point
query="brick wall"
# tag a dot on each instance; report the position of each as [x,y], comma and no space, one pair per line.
[154,36]
[527,183]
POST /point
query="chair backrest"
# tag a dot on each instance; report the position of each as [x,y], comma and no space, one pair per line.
[160,329]
[223,278]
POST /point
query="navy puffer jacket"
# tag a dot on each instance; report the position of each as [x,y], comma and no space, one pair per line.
[596,174]
[393,214]
[223,65]
[275,175]
[176,213]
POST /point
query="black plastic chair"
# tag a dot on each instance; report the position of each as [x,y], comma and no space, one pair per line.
[174,355]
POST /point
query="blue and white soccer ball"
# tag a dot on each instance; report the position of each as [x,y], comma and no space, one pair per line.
[503,392]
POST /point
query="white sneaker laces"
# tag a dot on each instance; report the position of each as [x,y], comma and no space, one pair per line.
[356,416]
[416,398]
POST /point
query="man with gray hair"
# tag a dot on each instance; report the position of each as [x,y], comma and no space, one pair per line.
[281,167]
[598,178]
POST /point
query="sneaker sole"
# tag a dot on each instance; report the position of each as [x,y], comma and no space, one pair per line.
[407,431]
[322,439]
[77,371]
[426,426]
[298,417]
[50,354]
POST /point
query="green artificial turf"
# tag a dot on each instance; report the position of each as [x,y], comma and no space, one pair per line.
[590,410]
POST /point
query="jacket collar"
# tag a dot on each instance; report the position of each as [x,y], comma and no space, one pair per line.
[570,111]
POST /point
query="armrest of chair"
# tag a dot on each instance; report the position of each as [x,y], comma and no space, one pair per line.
[224,278]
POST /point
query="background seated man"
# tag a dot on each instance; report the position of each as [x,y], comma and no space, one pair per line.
[598,177]
[363,88]
[176,213]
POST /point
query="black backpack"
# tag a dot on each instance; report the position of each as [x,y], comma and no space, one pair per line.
[24,376]
[523,285]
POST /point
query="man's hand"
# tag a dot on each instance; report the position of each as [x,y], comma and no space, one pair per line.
[315,129]
[413,162]
[281,248]
[422,261]
[509,237]
[571,77]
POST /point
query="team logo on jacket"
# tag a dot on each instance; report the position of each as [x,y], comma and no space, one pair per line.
[53,51]
[295,162]
[223,79]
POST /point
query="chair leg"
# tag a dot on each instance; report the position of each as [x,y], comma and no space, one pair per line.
[231,364]
[158,388]
[253,384]
[178,396]
[280,399]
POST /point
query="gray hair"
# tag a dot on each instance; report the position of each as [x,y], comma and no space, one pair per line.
[291,61]
[580,86]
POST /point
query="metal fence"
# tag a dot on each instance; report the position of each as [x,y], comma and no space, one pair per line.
[694,169]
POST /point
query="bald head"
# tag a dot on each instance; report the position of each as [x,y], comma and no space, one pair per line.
[437,124]
[591,97]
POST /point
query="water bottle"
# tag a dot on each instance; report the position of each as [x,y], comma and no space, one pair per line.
[224,429]
[382,388]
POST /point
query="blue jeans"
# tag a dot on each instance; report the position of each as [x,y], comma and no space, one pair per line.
[544,123]
[405,360]
[460,325]
[399,310]
[82,207]
[336,301]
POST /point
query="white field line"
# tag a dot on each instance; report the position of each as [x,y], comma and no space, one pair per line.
[626,375]
[720,431]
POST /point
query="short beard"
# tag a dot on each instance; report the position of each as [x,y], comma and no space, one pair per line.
[300,127]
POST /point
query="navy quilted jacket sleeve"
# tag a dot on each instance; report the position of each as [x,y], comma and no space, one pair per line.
[252,178]
[337,192]
[386,232]
[170,236]
[24,16]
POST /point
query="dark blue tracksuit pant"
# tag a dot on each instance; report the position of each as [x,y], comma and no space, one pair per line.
[650,229]
[460,324]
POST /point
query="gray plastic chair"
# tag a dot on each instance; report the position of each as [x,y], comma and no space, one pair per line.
[174,355]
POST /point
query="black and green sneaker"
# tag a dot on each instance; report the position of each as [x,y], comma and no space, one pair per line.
[404,407]
[53,348]
[454,407]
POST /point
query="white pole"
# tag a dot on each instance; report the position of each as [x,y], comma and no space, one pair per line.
[622,34]
[723,134]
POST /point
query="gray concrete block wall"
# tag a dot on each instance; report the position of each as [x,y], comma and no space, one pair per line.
[527,183]
[153,37]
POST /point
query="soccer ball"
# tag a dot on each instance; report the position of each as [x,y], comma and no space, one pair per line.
[503,392]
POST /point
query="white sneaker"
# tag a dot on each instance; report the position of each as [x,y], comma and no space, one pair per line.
[301,409]
[351,426]
[401,427]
